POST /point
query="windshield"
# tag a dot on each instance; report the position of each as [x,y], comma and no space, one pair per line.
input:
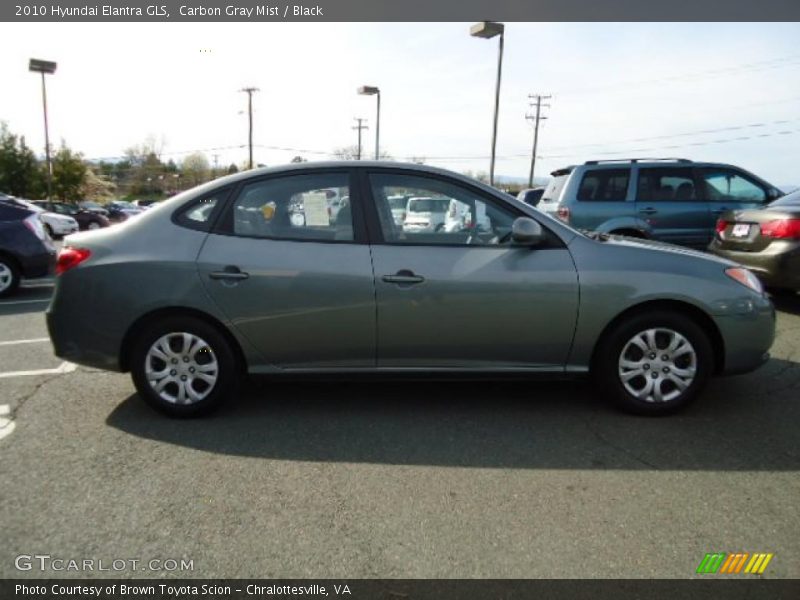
[123,204]
[432,205]
[91,205]
[790,199]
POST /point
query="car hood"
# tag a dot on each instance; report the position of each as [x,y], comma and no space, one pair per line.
[619,240]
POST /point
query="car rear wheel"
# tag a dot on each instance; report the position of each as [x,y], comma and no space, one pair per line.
[654,363]
[9,277]
[93,225]
[183,367]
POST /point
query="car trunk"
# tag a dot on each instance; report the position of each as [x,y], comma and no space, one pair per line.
[753,230]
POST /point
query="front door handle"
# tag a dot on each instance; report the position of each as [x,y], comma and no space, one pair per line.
[403,277]
[648,211]
[229,273]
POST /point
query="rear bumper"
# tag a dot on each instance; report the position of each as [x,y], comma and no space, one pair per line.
[40,262]
[777,266]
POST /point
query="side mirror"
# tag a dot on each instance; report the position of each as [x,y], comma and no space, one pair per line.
[526,232]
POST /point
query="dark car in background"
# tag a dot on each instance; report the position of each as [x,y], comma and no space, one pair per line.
[25,248]
[766,241]
[86,219]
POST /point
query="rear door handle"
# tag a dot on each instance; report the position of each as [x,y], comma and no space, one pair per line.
[403,277]
[229,273]
[648,211]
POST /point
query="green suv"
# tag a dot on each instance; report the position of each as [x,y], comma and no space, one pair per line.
[671,200]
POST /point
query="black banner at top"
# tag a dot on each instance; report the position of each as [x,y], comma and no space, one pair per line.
[398,10]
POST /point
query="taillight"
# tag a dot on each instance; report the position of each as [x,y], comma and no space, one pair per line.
[721,225]
[35,225]
[563,213]
[70,258]
[785,229]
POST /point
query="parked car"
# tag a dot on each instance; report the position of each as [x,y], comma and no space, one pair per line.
[671,200]
[426,214]
[56,225]
[531,195]
[94,207]
[398,204]
[86,219]
[766,241]
[126,208]
[219,282]
[25,248]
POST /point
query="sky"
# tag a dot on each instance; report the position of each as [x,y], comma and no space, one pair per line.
[704,91]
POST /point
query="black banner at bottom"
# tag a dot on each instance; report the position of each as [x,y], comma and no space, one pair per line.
[398,589]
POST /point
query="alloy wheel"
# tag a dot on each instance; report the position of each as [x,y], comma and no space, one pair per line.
[6,277]
[181,368]
[657,365]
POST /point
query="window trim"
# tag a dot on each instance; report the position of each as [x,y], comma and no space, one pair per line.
[224,224]
[375,230]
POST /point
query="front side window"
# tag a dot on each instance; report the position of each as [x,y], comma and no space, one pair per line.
[725,185]
[312,207]
[666,184]
[437,212]
[604,185]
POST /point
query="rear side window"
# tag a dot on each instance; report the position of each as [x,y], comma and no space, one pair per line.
[199,214]
[666,185]
[553,190]
[604,185]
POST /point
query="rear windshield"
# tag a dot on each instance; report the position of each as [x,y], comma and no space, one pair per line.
[433,205]
[397,201]
[553,189]
[790,199]
[604,185]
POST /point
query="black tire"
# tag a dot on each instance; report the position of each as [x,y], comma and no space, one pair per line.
[606,370]
[94,225]
[9,268]
[228,375]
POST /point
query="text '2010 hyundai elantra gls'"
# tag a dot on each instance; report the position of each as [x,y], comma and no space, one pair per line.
[303,270]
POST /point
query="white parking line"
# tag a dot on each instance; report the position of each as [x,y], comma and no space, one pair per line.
[65,367]
[31,341]
[24,302]
[6,423]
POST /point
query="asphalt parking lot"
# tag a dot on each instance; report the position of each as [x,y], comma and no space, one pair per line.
[382,479]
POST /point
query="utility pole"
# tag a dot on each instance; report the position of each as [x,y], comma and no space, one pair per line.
[536,118]
[249,91]
[216,162]
[359,127]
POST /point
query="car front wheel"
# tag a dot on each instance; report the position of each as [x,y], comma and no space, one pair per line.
[654,363]
[183,367]
[93,225]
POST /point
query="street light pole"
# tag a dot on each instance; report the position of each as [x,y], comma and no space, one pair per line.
[488,30]
[370,90]
[249,91]
[43,67]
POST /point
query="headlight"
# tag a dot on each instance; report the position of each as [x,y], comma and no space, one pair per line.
[746,278]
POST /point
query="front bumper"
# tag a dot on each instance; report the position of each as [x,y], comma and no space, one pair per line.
[747,336]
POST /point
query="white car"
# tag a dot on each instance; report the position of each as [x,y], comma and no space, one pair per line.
[459,217]
[56,225]
[425,214]
[398,204]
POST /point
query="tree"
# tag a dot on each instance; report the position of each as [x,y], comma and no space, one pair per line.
[21,174]
[195,168]
[69,174]
[233,169]
[96,187]
[298,159]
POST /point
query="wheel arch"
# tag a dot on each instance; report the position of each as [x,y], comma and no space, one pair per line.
[696,314]
[176,311]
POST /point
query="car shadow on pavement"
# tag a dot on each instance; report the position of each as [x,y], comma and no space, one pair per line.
[739,424]
[787,303]
[26,300]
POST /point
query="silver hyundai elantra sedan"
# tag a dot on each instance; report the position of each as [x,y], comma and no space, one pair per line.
[257,274]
